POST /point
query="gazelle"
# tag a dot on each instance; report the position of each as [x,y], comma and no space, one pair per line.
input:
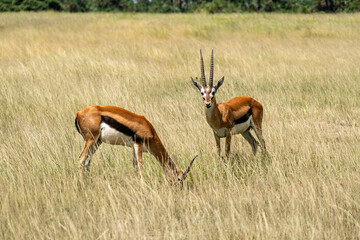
[237,115]
[117,126]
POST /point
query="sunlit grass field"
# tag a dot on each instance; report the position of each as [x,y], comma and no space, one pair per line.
[304,69]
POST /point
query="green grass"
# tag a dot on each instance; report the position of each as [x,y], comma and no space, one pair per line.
[304,69]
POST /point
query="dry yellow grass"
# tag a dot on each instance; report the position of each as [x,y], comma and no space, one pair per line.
[304,69]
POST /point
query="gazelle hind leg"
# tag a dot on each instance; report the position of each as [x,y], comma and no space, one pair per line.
[85,157]
[251,140]
[259,136]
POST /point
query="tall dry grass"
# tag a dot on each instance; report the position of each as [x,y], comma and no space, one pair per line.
[304,69]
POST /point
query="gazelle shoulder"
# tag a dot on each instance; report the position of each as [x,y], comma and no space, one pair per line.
[145,129]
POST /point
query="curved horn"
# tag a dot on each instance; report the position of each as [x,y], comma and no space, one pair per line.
[188,168]
[211,69]
[202,70]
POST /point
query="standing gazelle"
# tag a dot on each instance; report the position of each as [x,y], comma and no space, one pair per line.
[117,126]
[237,115]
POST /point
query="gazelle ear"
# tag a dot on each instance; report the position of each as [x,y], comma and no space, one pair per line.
[219,83]
[196,84]
[172,160]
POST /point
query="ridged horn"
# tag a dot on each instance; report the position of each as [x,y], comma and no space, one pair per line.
[188,168]
[211,69]
[202,70]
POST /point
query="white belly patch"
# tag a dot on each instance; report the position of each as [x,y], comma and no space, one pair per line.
[112,136]
[241,127]
[237,129]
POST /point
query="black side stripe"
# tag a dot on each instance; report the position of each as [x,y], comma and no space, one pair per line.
[77,125]
[121,128]
[243,118]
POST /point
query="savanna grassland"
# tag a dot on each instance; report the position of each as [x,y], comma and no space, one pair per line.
[304,69]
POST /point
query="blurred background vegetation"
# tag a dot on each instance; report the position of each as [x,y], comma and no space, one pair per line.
[167,6]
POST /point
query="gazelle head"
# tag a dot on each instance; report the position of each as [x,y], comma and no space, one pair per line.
[178,175]
[208,92]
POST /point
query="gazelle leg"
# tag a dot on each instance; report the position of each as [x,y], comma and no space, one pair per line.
[85,157]
[135,161]
[258,133]
[218,147]
[251,140]
[228,142]
[138,153]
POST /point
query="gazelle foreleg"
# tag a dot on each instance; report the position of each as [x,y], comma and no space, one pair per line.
[135,161]
[85,157]
[228,142]
[251,140]
[218,146]
[139,160]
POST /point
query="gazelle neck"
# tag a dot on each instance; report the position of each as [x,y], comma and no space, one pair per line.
[158,150]
[213,114]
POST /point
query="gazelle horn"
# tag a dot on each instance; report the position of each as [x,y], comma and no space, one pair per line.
[188,168]
[211,69]
[202,70]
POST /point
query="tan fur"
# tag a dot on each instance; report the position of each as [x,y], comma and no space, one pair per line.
[224,114]
[221,117]
[89,120]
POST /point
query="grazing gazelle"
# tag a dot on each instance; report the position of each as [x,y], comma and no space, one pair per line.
[117,126]
[237,115]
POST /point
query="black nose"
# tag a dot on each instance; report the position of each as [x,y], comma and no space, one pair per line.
[208,105]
